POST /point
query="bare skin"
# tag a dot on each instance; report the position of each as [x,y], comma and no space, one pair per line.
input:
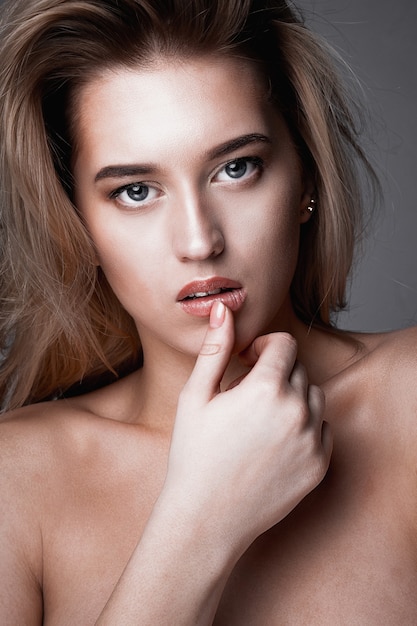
[346,554]
[172,497]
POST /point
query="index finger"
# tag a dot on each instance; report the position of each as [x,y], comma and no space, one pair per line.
[211,363]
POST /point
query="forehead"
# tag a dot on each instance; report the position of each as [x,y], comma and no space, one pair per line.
[125,111]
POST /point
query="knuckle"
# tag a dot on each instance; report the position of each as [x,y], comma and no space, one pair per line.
[316,397]
[299,411]
[287,343]
[209,349]
[265,391]
[283,342]
[299,374]
[300,369]
[285,347]
[317,392]
[288,338]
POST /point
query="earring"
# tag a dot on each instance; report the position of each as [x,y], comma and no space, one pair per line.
[312,205]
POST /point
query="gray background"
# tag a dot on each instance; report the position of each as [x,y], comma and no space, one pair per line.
[378,40]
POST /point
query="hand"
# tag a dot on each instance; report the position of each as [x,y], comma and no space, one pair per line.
[242,459]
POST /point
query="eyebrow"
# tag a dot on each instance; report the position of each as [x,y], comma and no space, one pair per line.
[124,171]
[127,171]
[235,144]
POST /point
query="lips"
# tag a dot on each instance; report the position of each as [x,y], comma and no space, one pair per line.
[197,298]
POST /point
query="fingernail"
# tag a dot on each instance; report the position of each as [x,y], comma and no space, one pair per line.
[217,314]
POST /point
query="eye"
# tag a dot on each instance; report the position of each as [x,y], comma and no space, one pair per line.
[238,169]
[134,194]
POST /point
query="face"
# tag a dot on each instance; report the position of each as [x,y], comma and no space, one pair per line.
[192,191]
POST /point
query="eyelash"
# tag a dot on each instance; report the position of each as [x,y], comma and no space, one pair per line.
[257,162]
[114,195]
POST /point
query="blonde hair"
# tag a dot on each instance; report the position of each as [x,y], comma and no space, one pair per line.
[60,322]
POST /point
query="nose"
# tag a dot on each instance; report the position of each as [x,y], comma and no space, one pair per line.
[197,233]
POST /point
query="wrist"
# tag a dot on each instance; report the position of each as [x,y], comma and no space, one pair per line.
[197,530]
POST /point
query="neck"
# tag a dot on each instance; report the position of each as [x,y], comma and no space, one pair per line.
[160,381]
[165,370]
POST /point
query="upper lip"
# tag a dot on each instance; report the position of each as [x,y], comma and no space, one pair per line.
[206,285]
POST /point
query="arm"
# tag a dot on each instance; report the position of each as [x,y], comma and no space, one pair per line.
[239,462]
[20,541]
[20,595]
[176,574]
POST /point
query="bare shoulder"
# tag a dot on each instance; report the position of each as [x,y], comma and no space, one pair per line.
[45,449]
[392,354]
[34,437]
[401,341]
[34,445]
[26,465]
[61,437]
[29,438]
[387,374]
[376,389]
[61,464]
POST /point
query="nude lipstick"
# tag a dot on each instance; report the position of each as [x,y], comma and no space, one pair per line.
[197,298]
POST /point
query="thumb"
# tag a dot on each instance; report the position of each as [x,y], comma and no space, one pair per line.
[214,356]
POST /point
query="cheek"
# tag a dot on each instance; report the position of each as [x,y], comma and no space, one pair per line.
[271,226]
[276,241]
[133,265]
[119,255]
[111,254]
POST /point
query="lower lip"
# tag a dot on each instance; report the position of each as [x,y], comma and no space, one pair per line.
[201,307]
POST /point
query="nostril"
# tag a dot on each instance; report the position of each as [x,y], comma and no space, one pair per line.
[200,244]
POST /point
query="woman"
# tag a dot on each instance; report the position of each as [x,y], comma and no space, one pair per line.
[179,211]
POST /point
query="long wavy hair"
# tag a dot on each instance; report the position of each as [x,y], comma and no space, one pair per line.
[60,323]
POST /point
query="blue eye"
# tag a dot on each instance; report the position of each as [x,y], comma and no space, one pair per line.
[134,194]
[137,192]
[236,169]
[242,168]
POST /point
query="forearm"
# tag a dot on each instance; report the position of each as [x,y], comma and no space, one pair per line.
[239,462]
[175,575]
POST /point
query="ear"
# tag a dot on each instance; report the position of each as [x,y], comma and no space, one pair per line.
[308,202]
